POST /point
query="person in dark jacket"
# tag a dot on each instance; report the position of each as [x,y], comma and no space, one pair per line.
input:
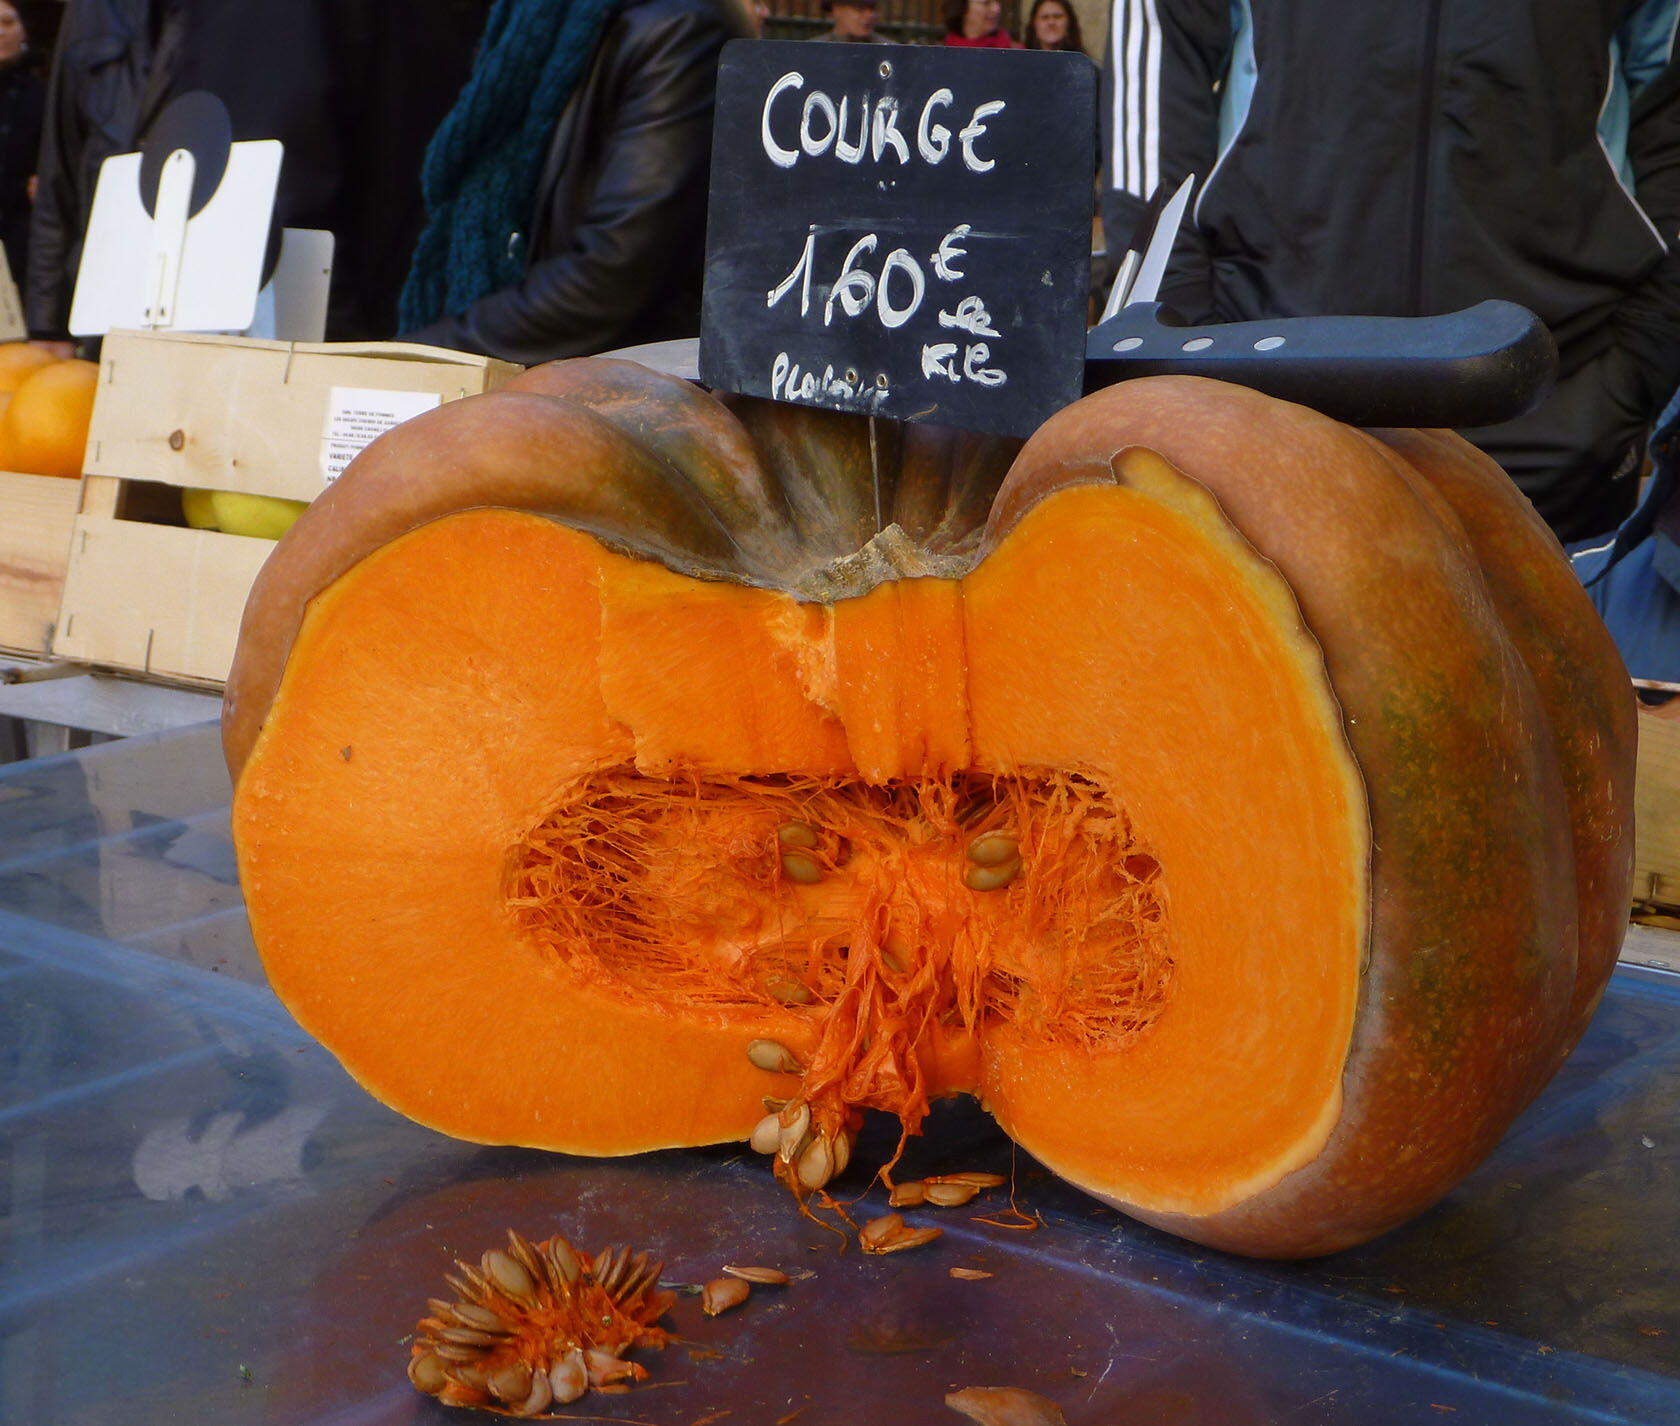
[566,190]
[22,98]
[352,88]
[1408,160]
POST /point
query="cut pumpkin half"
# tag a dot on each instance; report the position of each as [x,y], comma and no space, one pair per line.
[592,827]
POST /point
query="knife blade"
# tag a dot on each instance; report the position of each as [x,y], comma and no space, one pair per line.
[1146,285]
[1476,367]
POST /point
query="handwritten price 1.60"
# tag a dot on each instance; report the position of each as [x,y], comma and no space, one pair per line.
[856,288]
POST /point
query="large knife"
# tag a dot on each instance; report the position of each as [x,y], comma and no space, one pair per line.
[1477,367]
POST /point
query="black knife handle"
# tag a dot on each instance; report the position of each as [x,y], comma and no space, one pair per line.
[1477,367]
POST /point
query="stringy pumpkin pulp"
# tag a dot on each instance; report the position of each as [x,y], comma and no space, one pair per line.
[875,911]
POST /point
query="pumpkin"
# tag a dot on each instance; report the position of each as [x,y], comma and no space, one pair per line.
[1235,801]
[21,360]
[44,427]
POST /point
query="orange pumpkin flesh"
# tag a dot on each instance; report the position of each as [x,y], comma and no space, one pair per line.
[510,794]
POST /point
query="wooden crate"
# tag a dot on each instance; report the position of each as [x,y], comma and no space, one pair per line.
[37,513]
[145,593]
[1656,807]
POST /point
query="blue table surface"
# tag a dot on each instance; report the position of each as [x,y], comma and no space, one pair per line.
[202,1218]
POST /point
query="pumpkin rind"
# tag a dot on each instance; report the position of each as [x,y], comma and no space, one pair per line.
[1579,673]
[1472,959]
[1428,621]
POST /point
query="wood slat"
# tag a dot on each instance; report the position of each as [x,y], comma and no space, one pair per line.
[36,515]
[1656,807]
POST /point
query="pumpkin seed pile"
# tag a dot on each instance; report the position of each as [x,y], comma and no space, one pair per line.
[807,1154]
[539,1324]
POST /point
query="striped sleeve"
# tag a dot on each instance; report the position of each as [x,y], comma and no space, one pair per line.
[1160,104]
[1134,97]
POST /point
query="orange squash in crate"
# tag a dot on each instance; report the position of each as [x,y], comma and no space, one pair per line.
[44,426]
[1237,802]
[21,360]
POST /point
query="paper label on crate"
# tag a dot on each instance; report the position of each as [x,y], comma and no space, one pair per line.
[356,414]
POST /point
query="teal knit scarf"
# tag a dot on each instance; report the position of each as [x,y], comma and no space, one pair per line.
[484,160]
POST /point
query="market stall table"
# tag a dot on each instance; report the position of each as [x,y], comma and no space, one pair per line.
[204,1219]
[47,706]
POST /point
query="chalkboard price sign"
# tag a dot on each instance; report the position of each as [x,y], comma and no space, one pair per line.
[901,231]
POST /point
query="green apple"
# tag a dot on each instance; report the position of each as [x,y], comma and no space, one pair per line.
[266,517]
[199,508]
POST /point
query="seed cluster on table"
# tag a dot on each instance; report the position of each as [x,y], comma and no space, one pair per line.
[539,1324]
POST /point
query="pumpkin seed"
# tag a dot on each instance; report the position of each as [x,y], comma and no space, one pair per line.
[911,1194]
[970,1176]
[1005,1406]
[564,1266]
[454,1394]
[795,1129]
[992,878]
[537,1398]
[453,1351]
[525,1255]
[641,1275]
[891,1234]
[878,1230]
[766,1134]
[568,1378]
[426,1372]
[772,1056]
[993,849]
[949,1195]
[507,1275]
[468,1337]
[605,1368]
[797,834]
[910,1238]
[816,1164]
[440,1309]
[770,1277]
[471,1375]
[608,1265]
[470,1314]
[969,1274]
[510,1383]
[722,1294]
[772,1105]
[788,991]
[796,866]
[842,1152]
